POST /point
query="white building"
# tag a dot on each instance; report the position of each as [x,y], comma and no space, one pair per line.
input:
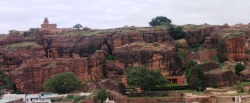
[24,98]
[109,101]
[34,98]
[12,98]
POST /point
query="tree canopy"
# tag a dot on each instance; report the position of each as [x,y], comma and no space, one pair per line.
[77,26]
[181,58]
[159,20]
[200,77]
[102,95]
[238,68]
[63,83]
[144,78]
[6,83]
[176,32]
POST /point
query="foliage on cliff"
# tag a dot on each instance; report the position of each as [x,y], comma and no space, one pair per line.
[238,68]
[181,57]
[63,83]
[235,34]
[176,32]
[102,95]
[5,83]
[231,35]
[144,78]
[200,76]
[21,46]
[191,64]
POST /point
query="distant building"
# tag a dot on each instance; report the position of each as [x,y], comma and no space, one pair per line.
[175,79]
[46,24]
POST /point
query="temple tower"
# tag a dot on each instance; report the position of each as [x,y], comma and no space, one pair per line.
[46,24]
[46,21]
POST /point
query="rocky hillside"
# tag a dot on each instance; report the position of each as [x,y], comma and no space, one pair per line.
[32,57]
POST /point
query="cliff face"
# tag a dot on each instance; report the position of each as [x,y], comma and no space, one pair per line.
[198,36]
[157,56]
[213,76]
[232,48]
[32,57]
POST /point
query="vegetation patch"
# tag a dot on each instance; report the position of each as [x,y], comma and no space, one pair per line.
[126,31]
[161,27]
[197,47]
[215,58]
[84,33]
[191,64]
[21,46]
[63,83]
[7,84]
[193,26]
[181,41]
[176,32]
[111,57]
[102,95]
[76,99]
[52,64]
[181,57]
[231,35]
[144,78]
[238,68]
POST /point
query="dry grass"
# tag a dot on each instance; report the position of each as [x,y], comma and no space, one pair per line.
[20,46]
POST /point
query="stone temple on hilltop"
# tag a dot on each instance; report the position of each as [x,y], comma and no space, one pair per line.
[46,24]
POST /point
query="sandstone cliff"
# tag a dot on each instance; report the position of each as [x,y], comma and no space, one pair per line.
[32,57]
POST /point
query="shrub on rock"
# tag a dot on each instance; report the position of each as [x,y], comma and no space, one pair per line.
[63,83]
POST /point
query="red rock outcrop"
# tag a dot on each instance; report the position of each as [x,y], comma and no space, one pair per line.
[204,55]
[31,74]
[114,68]
[131,37]
[198,36]
[158,56]
[208,44]
[245,75]
[84,53]
[214,76]
[232,48]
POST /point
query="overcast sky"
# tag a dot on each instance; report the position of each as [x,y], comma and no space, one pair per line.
[25,14]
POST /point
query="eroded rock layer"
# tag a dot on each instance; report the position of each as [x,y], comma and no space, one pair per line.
[31,57]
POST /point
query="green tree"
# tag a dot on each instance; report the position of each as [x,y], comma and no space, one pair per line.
[144,78]
[6,83]
[200,76]
[160,20]
[176,32]
[238,68]
[63,83]
[111,57]
[181,58]
[191,64]
[102,95]
[77,26]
